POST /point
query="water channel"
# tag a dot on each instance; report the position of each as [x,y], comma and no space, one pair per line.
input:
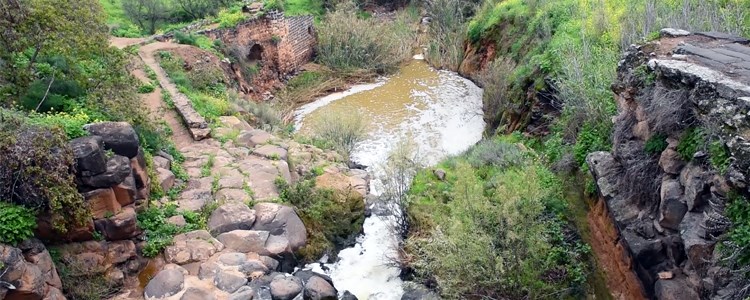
[438,111]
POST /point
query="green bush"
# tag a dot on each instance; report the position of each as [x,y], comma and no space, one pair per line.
[145,88]
[498,233]
[656,144]
[228,18]
[691,140]
[494,153]
[719,156]
[17,223]
[593,137]
[159,233]
[331,218]
[273,5]
[35,171]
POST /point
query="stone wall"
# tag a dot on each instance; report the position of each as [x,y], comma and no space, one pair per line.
[668,208]
[287,43]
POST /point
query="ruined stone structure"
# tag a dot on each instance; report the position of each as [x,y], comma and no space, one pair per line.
[667,203]
[273,45]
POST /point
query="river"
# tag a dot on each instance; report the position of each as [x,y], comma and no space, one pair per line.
[438,111]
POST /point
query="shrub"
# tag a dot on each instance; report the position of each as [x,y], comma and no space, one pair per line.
[593,137]
[17,223]
[340,131]
[447,32]
[332,219]
[261,115]
[228,18]
[35,171]
[159,233]
[349,44]
[691,140]
[656,144]
[719,155]
[185,38]
[496,99]
[494,153]
[145,88]
[273,5]
[79,283]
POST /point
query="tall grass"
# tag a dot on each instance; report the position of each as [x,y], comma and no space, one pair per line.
[447,32]
[347,43]
[341,131]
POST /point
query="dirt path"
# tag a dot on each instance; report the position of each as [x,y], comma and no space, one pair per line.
[159,110]
[120,42]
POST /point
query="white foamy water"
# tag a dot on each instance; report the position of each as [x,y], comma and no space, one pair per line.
[442,113]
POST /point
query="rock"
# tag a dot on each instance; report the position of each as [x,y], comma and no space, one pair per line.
[348,296]
[197,294]
[672,208]
[271,152]
[234,123]
[126,192]
[607,171]
[647,252]
[671,162]
[253,138]
[119,137]
[698,249]
[233,195]
[231,216]
[245,240]
[195,199]
[674,289]
[165,284]
[194,246]
[177,220]
[161,162]
[263,293]
[54,294]
[281,220]
[253,268]
[138,164]
[285,287]
[665,275]
[88,154]
[208,270]
[123,225]
[102,203]
[166,179]
[417,292]
[229,281]
[120,251]
[243,293]
[47,232]
[118,168]
[305,276]
[232,258]
[439,173]
[672,32]
[693,179]
[318,288]
[343,184]
[27,278]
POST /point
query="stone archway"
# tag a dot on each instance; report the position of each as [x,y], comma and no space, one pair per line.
[255,54]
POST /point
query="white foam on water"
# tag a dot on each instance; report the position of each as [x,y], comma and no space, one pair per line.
[448,123]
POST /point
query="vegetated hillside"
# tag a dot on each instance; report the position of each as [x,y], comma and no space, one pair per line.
[547,68]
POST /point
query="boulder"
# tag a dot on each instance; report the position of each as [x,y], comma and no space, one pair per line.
[672,207]
[165,284]
[317,288]
[27,278]
[194,293]
[138,164]
[166,179]
[263,293]
[285,287]
[229,281]
[348,296]
[194,246]
[647,252]
[102,203]
[253,138]
[253,268]
[119,137]
[414,291]
[673,32]
[88,154]
[698,249]
[120,251]
[245,240]
[161,162]
[671,162]
[47,232]
[439,174]
[693,178]
[177,220]
[305,276]
[674,289]
[123,225]
[233,195]
[126,192]
[194,199]
[243,293]
[231,216]
[235,123]
[281,220]
[118,168]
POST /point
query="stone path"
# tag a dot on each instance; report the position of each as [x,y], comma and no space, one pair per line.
[241,254]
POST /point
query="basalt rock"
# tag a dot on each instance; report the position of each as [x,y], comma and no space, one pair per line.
[119,137]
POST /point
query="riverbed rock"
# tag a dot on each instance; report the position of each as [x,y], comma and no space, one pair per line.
[245,240]
[243,293]
[674,289]
[165,284]
[231,216]
[229,281]
[166,179]
[194,246]
[439,174]
[281,220]
[285,287]
[317,288]
[119,137]
[197,294]
[271,152]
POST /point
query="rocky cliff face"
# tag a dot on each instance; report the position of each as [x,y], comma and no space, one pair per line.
[679,152]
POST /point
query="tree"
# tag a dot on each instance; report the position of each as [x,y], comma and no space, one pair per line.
[197,9]
[30,30]
[147,13]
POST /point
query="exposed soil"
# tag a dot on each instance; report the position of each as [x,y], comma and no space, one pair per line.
[124,42]
[611,255]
